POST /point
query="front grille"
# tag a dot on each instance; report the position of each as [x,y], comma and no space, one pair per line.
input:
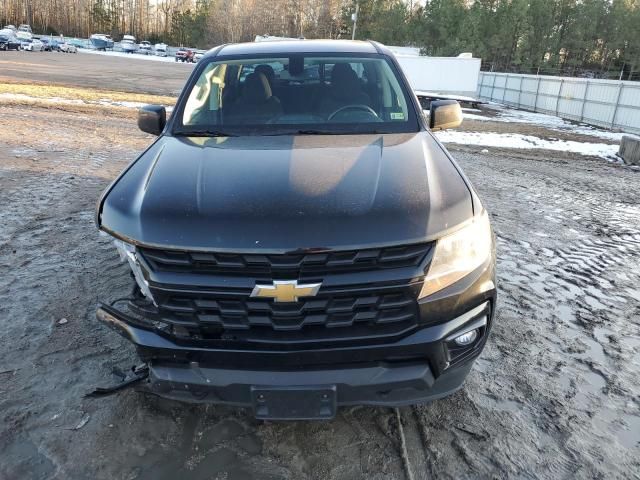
[286,266]
[330,311]
[207,294]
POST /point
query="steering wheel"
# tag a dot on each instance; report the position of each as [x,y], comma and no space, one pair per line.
[365,108]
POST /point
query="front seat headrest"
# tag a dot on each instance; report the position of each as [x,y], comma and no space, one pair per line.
[256,88]
[267,70]
[344,80]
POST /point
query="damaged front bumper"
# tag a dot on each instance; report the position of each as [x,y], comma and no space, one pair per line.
[291,383]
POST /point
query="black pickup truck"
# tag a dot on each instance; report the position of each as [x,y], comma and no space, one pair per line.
[299,239]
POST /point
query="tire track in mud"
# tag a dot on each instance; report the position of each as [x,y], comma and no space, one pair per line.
[404,455]
[568,314]
[583,300]
[413,445]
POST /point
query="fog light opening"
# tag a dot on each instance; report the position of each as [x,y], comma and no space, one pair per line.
[466,338]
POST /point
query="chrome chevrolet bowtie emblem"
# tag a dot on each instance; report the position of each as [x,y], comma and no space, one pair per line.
[286,290]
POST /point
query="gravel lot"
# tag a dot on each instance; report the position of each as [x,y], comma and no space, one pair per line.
[556,394]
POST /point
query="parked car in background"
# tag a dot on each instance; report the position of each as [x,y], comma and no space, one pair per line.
[128,44]
[52,44]
[24,35]
[33,45]
[144,48]
[198,54]
[99,41]
[10,27]
[67,47]
[184,55]
[8,40]
[161,49]
[77,42]
[25,28]
[46,44]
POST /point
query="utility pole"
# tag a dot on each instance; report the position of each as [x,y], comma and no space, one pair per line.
[354,18]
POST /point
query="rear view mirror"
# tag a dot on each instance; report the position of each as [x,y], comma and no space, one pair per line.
[296,65]
[152,119]
[444,114]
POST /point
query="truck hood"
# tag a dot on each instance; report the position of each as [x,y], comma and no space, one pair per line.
[285,193]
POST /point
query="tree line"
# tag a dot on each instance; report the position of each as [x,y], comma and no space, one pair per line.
[581,37]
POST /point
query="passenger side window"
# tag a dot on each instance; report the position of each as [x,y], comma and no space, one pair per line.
[205,100]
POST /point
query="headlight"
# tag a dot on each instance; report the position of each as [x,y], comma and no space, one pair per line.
[128,252]
[458,254]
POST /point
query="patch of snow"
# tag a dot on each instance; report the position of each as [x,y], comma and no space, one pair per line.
[450,96]
[119,103]
[527,142]
[480,118]
[69,101]
[551,122]
[134,56]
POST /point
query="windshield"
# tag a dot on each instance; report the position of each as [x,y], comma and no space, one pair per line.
[309,94]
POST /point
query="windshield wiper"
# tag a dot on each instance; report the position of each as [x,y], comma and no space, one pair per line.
[204,132]
[314,131]
[281,133]
[302,132]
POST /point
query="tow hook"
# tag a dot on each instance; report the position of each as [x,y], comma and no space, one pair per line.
[128,379]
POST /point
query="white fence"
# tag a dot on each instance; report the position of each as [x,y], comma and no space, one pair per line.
[606,103]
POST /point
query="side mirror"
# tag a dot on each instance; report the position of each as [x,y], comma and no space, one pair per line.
[444,114]
[152,119]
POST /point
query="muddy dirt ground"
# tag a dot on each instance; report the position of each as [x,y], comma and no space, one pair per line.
[556,393]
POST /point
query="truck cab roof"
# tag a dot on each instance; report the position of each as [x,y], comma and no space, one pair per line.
[288,47]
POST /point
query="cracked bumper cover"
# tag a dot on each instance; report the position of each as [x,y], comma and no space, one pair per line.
[416,368]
